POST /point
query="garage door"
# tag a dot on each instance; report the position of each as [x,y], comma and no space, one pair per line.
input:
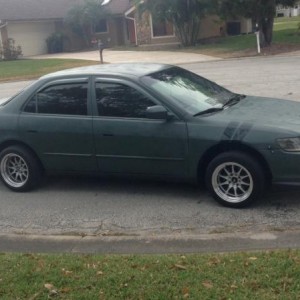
[31,36]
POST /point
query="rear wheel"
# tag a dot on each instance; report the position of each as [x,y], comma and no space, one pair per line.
[235,179]
[19,169]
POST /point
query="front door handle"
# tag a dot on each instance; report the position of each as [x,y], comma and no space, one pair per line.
[108,134]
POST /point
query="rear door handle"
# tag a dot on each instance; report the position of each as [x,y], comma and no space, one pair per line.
[108,134]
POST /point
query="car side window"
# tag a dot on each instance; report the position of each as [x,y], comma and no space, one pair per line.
[62,99]
[120,100]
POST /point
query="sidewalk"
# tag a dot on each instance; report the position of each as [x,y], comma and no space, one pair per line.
[114,56]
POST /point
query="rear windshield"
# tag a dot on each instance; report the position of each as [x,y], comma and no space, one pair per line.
[6,100]
[3,101]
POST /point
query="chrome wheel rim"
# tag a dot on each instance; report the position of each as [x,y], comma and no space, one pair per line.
[14,170]
[232,182]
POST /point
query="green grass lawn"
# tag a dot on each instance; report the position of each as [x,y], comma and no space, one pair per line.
[285,38]
[260,275]
[286,23]
[33,68]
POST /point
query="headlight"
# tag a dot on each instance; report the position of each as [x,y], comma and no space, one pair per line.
[289,144]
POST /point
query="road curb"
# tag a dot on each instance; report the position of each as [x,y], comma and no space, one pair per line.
[202,243]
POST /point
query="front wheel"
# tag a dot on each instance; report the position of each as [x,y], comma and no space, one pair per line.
[235,179]
[19,169]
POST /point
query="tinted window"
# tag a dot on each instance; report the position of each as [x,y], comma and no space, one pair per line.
[119,100]
[63,99]
[101,26]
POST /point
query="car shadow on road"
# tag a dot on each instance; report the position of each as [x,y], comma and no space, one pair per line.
[278,196]
[136,187]
[282,196]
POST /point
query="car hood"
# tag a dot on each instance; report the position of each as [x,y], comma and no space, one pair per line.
[266,111]
[254,120]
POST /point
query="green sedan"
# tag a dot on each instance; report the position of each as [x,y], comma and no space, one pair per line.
[149,120]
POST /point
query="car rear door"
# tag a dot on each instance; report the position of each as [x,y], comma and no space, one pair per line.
[57,123]
[126,141]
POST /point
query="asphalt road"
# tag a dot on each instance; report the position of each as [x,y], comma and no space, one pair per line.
[272,76]
[66,205]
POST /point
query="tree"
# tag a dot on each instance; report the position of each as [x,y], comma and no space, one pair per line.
[83,17]
[262,13]
[186,15]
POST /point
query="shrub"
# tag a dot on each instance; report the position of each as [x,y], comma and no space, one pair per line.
[55,42]
[9,50]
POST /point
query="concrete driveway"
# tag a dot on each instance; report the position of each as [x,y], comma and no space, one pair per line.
[113,56]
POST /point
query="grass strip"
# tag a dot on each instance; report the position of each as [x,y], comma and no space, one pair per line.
[260,275]
[32,68]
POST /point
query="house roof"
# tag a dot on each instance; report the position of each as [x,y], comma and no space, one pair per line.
[49,9]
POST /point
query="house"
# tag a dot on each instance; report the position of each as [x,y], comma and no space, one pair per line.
[31,22]
[146,31]
[285,11]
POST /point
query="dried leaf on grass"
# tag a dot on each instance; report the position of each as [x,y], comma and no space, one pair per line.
[48,286]
[65,290]
[207,284]
[185,292]
[52,291]
[66,272]
[214,261]
[180,267]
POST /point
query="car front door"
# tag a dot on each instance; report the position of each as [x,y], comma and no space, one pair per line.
[126,141]
[56,123]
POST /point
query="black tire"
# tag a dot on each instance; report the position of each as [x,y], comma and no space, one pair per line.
[19,169]
[235,179]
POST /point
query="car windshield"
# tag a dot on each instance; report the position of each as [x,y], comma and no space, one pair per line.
[190,92]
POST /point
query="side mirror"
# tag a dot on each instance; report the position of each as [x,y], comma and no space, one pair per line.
[157,112]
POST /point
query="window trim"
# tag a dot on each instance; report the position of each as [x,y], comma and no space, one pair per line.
[125,83]
[78,80]
[162,36]
[142,90]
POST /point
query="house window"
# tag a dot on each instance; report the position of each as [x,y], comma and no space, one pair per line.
[161,28]
[101,26]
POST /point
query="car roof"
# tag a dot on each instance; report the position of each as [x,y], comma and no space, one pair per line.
[132,69]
